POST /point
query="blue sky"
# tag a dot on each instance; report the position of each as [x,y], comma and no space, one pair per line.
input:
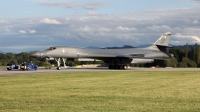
[28,25]
[37,8]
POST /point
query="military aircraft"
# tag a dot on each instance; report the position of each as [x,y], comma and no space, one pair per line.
[115,58]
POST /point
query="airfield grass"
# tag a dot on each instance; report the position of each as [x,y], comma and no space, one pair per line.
[101,91]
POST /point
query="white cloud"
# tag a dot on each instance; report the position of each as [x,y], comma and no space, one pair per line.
[61,4]
[159,28]
[32,31]
[91,13]
[7,29]
[26,31]
[25,47]
[3,21]
[68,19]
[94,5]
[104,29]
[196,0]
[86,29]
[193,39]
[195,22]
[49,21]
[82,19]
[22,31]
[89,6]
[196,38]
[120,28]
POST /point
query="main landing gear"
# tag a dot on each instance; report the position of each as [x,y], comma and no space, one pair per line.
[120,67]
[58,60]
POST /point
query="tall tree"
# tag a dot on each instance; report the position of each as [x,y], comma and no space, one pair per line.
[192,54]
[171,63]
[197,54]
[186,50]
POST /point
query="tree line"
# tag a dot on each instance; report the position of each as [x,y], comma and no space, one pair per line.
[16,58]
[25,57]
[187,57]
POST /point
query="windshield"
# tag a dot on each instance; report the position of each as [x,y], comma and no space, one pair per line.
[51,48]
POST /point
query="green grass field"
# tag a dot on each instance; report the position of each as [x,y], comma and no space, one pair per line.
[102,91]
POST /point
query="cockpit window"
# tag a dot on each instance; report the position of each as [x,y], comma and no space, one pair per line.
[52,48]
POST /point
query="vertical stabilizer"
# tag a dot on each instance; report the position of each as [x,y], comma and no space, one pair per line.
[163,40]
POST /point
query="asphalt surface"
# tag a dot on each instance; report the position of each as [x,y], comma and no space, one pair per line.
[4,72]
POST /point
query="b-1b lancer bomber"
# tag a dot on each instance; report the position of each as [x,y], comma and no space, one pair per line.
[115,58]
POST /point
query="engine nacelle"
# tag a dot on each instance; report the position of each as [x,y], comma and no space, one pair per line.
[85,59]
[136,60]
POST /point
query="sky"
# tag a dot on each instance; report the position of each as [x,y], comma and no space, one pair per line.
[35,25]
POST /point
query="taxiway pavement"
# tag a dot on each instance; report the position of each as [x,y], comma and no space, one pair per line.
[4,72]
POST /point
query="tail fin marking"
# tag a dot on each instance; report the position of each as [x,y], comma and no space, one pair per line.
[163,40]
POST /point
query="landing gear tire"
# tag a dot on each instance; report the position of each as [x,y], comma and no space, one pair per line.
[25,68]
[58,68]
[124,67]
[120,67]
[111,67]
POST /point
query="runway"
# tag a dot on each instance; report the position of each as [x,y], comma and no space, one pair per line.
[4,72]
